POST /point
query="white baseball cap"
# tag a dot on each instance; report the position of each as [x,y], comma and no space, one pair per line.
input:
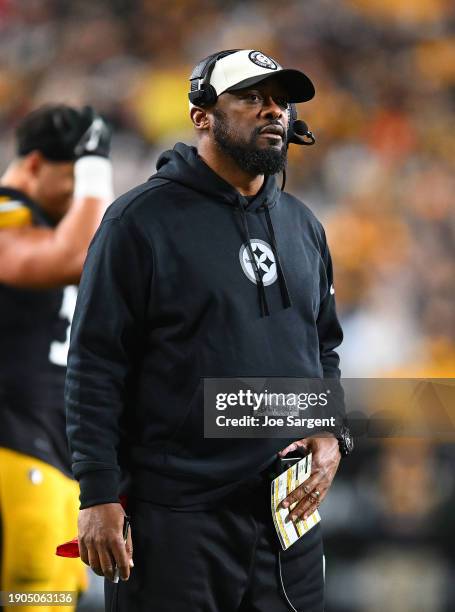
[247,67]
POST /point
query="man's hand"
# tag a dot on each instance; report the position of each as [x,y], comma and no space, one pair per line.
[96,139]
[325,461]
[101,542]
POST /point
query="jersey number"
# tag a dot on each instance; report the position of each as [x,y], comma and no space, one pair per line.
[58,351]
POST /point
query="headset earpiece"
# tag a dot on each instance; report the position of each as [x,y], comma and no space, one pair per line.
[203,96]
[202,93]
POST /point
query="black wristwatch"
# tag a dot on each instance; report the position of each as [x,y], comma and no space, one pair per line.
[345,441]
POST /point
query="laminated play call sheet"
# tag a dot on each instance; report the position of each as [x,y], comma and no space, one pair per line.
[289,532]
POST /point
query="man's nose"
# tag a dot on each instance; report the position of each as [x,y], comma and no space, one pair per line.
[271,109]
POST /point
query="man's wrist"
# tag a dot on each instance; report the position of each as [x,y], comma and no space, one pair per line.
[93,178]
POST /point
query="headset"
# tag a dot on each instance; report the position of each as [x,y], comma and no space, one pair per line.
[203,94]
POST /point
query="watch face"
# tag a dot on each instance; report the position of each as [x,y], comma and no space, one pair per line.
[349,442]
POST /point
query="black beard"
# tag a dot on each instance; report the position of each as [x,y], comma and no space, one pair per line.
[247,155]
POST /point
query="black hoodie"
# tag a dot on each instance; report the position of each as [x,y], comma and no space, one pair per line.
[168,296]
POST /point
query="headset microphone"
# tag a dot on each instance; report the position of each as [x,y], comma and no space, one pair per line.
[300,134]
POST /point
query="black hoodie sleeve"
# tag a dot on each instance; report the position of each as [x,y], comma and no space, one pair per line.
[105,339]
[330,337]
[329,328]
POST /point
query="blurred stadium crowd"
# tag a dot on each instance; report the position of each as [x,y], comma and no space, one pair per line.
[381,178]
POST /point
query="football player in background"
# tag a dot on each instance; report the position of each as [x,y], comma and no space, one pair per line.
[52,198]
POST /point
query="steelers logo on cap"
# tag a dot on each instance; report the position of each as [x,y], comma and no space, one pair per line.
[262,60]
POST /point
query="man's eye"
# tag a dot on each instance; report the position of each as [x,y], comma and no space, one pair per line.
[254,97]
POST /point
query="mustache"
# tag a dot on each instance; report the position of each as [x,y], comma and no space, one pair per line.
[257,131]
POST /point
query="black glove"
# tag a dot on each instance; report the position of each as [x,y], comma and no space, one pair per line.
[96,135]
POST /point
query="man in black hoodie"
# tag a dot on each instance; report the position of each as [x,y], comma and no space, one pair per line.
[205,270]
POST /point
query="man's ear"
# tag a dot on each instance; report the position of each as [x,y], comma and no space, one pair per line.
[200,118]
[34,162]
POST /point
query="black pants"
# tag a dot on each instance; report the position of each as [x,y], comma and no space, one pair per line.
[223,560]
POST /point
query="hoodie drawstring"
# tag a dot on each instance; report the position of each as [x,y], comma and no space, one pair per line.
[262,297]
[279,268]
[263,306]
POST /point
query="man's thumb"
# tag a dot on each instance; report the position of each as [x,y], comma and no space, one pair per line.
[129,549]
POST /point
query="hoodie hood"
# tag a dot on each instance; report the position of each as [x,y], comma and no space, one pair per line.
[183,165]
